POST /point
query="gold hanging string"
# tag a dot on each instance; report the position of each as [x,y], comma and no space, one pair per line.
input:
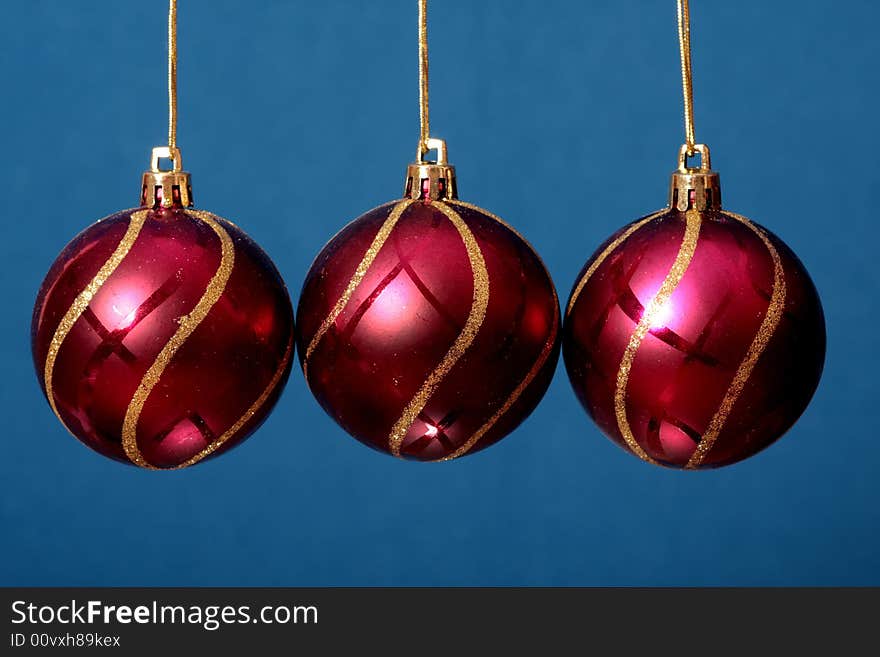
[168,187]
[687,82]
[172,74]
[423,73]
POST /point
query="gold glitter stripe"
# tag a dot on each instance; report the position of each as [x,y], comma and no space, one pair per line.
[605,253]
[542,358]
[85,297]
[476,208]
[757,347]
[359,274]
[513,230]
[249,413]
[468,445]
[188,324]
[673,278]
[464,339]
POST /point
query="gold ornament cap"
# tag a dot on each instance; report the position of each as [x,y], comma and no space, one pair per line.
[695,188]
[166,188]
[431,180]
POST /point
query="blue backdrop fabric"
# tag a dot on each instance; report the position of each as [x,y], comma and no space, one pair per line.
[564,118]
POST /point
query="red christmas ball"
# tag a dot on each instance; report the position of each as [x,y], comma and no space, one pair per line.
[162,336]
[694,339]
[428,329]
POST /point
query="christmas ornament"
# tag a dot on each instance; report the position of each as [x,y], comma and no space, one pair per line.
[428,328]
[162,335]
[694,337]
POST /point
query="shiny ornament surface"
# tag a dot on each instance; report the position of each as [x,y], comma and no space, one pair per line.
[694,339]
[428,329]
[162,336]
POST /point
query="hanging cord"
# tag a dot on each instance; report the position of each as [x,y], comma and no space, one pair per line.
[172,74]
[423,73]
[687,82]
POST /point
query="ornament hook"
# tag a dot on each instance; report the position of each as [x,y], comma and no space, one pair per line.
[167,153]
[429,145]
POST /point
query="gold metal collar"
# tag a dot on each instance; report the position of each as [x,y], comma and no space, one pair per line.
[695,188]
[163,187]
[433,180]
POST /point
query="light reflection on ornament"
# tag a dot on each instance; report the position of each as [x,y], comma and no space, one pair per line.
[660,315]
[390,307]
[126,310]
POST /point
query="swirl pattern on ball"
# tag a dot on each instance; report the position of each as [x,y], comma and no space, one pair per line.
[428,329]
[162,336]
[694,339]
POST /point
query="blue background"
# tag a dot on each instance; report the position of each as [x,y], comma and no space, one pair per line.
[562,117]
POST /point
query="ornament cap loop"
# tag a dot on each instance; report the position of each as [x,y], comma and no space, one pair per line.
[695,188]
[169,153]
[166,187]
[705,159]
[430,180]
[429,145]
